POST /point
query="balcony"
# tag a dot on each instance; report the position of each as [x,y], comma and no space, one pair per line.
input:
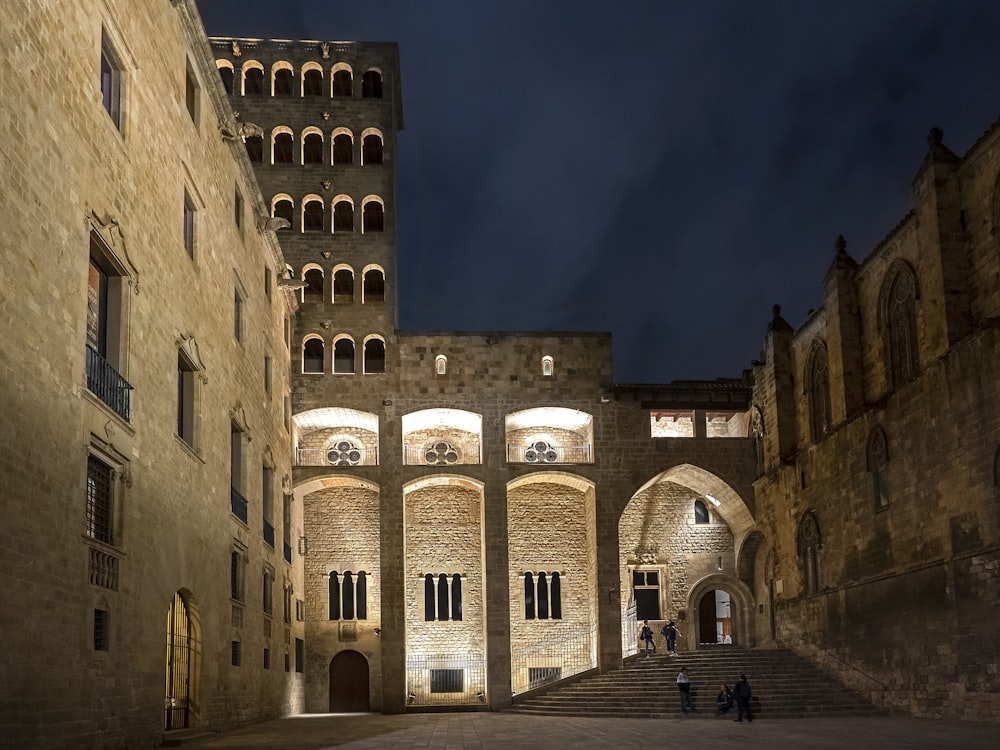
[104,382]
[239,504]
[269,534]
[350,455]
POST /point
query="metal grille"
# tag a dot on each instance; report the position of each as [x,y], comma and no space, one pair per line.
[564,651]
[99,476]
[441,680]
[101,640]
[181,649]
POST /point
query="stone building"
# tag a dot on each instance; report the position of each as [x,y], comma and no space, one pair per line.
[272,499]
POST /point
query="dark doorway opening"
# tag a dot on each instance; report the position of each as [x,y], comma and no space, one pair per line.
[349,683]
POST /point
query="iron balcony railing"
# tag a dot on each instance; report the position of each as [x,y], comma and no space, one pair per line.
[441,454]
[543,453]
[269,534]
[349,455]
[239,504]
[104,382]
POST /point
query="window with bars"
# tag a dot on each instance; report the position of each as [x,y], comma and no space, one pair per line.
[100,500]
[236,654]
[447,680]
[102,640]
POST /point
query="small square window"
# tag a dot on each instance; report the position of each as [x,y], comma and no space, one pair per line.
[102,640]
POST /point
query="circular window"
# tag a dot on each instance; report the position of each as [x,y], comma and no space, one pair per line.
[541,452]
[344,453]
[440,453]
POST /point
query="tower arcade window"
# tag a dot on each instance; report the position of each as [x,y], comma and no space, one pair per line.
[343,216]
[371,85]
[373,217]
[312,149]
[371,149]
[253,80]
[312,356]
[646,592]
[342,83]
[313,290]
[374,286]
[283,209]
[281,148]
[282,85]
[312,217]
[374,356]
[442,597]
[343,356]
[255,148]
[343,286]
[343,149]
[226,74]
[312,83]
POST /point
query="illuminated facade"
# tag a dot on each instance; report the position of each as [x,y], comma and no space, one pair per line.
[218,439]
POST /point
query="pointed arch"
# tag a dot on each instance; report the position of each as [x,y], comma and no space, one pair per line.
[810,546]
[818,384]
[898,324]
[877,455]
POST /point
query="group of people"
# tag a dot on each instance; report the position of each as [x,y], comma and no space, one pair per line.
[668,631]
[739,695]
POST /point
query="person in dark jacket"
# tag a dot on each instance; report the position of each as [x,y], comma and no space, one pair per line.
[741,692]
[646,635]
[724,699]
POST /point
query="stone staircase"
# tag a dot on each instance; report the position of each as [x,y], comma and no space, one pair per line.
[784,686]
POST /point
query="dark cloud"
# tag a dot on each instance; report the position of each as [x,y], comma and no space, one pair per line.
[664,171]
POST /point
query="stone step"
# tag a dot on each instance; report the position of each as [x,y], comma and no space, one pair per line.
[181,737]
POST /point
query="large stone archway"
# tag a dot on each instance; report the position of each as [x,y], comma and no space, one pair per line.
[742,610]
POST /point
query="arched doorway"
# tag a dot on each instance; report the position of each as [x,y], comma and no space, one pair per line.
[715,622]
[349,683]
[181,663]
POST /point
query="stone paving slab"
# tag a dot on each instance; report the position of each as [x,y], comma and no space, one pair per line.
[491,731]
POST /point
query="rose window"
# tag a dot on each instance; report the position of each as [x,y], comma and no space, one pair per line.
[440,453]
[541,453]
[344,453]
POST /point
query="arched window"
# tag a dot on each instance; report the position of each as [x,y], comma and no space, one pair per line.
[312,149]
[819,393]
[343,286]
[700,512]
[312,216]
[757,436]
[253,79]
[333,594]
[227,75]
[456,597]
[374,356]
[430,610]
[314,285]
[343,216]
[372,217]
[529,596]
[809,553]
[548,366]
[283,209]
[441,364]
[899,319]
[281,148]
[543,597]
[362,596]
[347,596]
[312,82]
[374,286]
[343,356]
[342,81]
[371,149]
[312,356]
[555,596]
[255,148]
[371,85]
[878,465]
[343,149]
[282,82]
[442,596]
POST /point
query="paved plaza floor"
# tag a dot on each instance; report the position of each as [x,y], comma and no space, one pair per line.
[491,731]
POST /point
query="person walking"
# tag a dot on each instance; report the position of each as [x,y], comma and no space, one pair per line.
[646,634]
[671,633]
[684,688]
[741,692]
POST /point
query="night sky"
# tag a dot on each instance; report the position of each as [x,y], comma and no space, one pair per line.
[662,170]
